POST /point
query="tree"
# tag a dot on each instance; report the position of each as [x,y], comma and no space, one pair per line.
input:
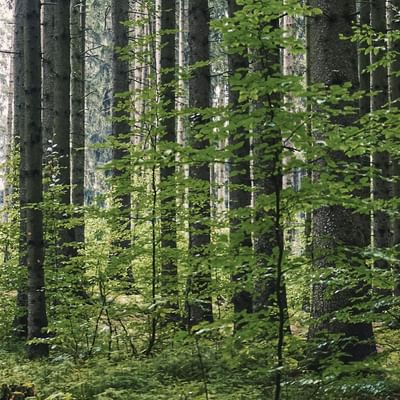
[78,27]
[240,192]
[120,124]
[21,319]
[37,319]
[62,111]
[394,100]
[199,302]
[169,270]
[335,227]
[381,187]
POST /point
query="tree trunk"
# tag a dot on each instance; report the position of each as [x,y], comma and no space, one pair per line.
[199,296]
[78,17]
[62,117]
[381,187]
[37,319]
[335,226]
[48,77]
[395,99]
[239,196]
[120,124]
[20,322]
[169,271]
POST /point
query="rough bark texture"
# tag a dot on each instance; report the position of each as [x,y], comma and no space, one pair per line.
[364,60]
[62,110]
[239,194]
[335,227]
[48,76]
[395,102]
[37,319]
[78,13]
[200,302]
[381,160]
[120,125]
[20,322]
[169,272]
[61,93]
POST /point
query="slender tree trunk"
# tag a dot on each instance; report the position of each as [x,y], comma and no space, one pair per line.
[20,322]
[199,302]
[335,226]
[120,124]
[62,110]
[37,319]
[395,102]
[381,160]
[268,181]
[48,76]
[169,271]
[364,61]
[78,17]
[239,195]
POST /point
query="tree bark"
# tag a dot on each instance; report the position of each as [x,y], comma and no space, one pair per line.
[37,319]
[62,111]
[169,270]
[381,187]
[335,227]
[239,196]
[78,18]
[120,125]
[199,298]
[20,322]
[394,100]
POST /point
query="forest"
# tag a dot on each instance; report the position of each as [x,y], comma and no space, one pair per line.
[200,199]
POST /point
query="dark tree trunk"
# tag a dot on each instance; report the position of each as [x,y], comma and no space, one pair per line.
[120,125]
[381,187]
[78,17]
[395,102]
[336,228]
[199,296]
[169,272]
[48,76]
[62,110]
[37,319]
[20,322]
[239,196]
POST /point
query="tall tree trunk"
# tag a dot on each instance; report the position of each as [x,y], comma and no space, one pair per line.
[268,181]
[78,18]
[381,187]
[169,271]
[364,61]
[37,319]
[20,322]
[62,110]
[335,225]
[48,76]
[120,125]
[395,102]
[199,302]
[239,195]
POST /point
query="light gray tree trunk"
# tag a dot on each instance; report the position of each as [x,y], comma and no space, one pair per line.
[335,227]
[37,319]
